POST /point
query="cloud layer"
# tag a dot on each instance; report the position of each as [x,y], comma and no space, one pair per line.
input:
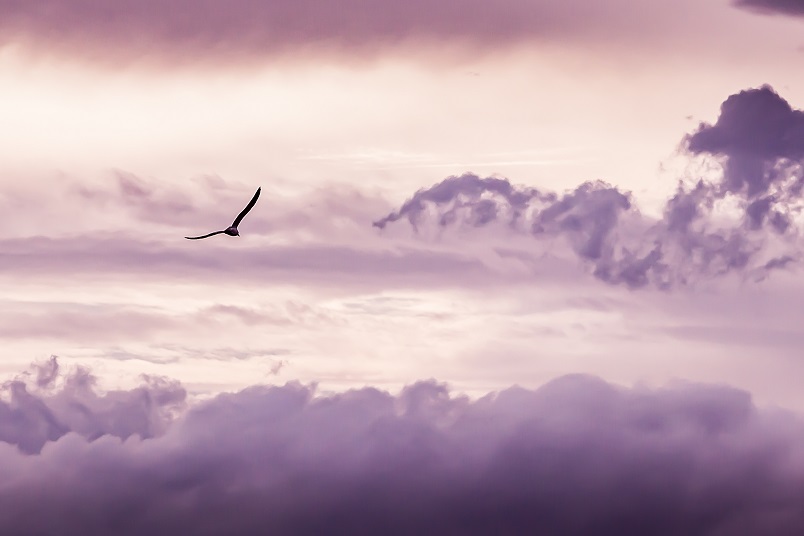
[758,142]
[243,29]
[573,457]
[743,217]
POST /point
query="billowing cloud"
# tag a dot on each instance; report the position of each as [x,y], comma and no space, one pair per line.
[31,419]
[761,138]
[785,7]
[759,142]
[575,456]
[601,226]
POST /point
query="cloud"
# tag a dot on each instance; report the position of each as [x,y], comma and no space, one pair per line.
[147,201]
[761,138]
[188,30]
[758,141]
[575,456]
[742,220]
[783,7]
[472,188]
[40,411]
[600,224]
[118,202]
[87,323]
[120,255]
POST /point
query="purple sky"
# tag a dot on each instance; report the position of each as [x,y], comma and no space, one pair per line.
[517,266]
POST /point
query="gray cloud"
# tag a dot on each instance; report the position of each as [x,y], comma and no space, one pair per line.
[576,456]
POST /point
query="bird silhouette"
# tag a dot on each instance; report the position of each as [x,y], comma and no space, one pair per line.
[232,230]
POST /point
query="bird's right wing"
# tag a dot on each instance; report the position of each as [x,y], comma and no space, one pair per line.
[250,205]
[204,236]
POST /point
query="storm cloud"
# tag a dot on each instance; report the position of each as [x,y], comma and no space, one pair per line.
[758,144]
[576,456]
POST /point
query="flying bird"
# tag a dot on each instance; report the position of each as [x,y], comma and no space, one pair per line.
[232,231]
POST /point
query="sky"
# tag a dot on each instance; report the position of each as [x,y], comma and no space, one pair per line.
[515,264]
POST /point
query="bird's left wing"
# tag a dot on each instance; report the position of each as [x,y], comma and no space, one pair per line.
[250,205]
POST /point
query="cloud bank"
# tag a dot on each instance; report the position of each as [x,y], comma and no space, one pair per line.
[758,142]
[242,29]
[576,456]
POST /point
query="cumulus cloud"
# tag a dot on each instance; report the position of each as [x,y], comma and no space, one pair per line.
[761,138]
[601,225]
[576,456]
[759,142]
[44,404]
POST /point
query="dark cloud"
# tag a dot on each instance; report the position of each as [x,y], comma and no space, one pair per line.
[576,456]
[761,138]
[759,141]
[783,7]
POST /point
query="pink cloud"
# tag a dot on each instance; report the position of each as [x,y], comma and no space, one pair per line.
[240,29]
[576,456]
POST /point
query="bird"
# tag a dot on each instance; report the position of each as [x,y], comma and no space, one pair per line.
[232,230]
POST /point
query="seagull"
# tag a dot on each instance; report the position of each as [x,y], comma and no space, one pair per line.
[232,231]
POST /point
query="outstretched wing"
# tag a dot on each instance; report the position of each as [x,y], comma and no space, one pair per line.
[250,205]
[203,236]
